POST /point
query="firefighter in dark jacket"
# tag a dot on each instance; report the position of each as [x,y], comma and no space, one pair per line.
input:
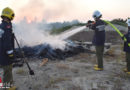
[127,49]
[6,47]
[99,38]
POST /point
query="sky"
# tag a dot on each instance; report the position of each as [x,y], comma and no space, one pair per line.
[66,10]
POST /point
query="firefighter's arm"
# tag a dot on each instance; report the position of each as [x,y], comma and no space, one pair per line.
[9,45]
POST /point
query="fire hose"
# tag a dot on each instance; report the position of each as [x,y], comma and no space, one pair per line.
[118,31]
[31,72]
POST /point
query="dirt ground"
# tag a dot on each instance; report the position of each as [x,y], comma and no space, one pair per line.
[75,73]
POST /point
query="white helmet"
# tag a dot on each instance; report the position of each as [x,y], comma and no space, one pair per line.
[97,14]
[128,22]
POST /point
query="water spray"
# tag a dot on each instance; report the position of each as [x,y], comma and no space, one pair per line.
[69,33]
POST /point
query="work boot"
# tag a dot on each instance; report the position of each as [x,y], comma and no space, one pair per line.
[98,69]
[128,73]
[125,70]
[12,88]
[96,66]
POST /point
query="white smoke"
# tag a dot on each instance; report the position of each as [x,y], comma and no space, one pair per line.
[29,34]
[50,10]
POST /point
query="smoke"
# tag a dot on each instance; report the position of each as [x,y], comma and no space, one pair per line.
[29,34]
[32,10]
[49,10]
[32,34]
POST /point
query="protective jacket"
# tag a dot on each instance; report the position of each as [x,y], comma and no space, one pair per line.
[126,47]
[99,35]
[6,42]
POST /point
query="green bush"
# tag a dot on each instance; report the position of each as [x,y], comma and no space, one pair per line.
[60,30]
[119,22]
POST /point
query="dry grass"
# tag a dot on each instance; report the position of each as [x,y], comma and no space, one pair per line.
[111,52]
[74,70]
[36,87]
[84,55]
[84,60]
[62,66]
[53,81]
[73,87]
[123,55]
[21,72]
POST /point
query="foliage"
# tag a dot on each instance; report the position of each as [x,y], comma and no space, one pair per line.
[119,21]
[59,30]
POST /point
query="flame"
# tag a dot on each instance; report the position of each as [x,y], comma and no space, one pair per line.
[29,19]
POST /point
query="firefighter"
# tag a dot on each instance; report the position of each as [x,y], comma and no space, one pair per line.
[6,47]
[99,38]
[127,48]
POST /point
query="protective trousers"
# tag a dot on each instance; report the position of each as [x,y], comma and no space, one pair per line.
[7,75]
[128,61]
[99,54]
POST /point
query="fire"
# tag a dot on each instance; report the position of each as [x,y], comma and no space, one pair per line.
[29,20]
[33,19]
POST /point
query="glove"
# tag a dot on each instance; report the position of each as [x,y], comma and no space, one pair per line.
[89,23]
[10,54]
[124,38]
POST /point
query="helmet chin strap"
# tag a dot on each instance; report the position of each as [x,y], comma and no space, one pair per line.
[96,19]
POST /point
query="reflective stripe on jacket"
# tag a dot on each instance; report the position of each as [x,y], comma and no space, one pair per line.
[99,36]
